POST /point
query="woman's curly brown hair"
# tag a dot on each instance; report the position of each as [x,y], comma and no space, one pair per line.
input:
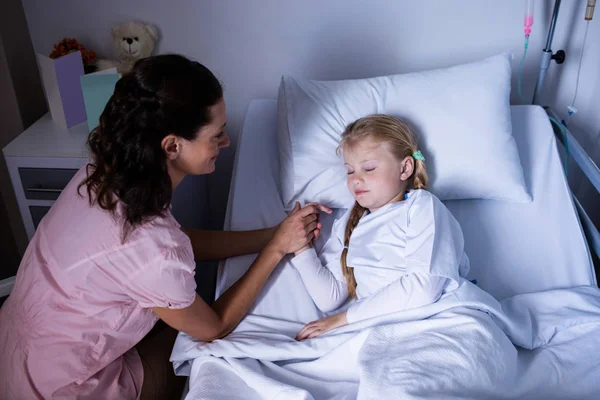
[162,95]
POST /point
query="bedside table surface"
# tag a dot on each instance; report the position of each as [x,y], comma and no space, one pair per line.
[45,138]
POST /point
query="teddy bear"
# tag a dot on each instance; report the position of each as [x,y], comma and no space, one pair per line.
[132,41]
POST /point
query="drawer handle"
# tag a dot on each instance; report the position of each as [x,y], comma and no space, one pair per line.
[43,190]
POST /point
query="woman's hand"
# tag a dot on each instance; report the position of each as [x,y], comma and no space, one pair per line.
[317,328]
[298,229]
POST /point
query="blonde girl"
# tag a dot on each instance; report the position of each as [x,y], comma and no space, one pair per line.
[397,248]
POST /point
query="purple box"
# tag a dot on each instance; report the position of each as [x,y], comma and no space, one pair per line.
[62,86]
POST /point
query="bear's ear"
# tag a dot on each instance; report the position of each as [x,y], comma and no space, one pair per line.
[152,31]
[114,31]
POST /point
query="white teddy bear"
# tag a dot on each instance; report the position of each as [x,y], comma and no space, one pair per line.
[132,41]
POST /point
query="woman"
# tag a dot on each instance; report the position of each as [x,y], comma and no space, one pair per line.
[109,260]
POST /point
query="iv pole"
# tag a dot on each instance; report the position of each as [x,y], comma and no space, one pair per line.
[547,55]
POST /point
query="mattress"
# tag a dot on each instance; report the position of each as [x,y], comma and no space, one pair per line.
[513,248]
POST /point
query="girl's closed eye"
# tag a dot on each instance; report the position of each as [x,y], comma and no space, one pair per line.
[368,167]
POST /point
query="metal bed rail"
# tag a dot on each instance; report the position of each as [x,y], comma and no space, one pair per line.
[591,171]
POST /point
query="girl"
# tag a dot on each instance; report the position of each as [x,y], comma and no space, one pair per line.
[399,247]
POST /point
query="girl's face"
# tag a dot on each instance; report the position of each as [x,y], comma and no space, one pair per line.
[375,177]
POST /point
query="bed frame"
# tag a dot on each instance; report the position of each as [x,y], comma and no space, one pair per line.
[592,172]
[568,141]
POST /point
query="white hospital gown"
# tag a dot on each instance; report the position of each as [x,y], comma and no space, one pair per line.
[404,255]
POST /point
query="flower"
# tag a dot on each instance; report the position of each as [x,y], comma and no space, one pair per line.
[68,45]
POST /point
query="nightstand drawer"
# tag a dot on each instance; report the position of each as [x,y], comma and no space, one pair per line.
[45,183]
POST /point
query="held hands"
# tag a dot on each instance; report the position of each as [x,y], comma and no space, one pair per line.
[299,229]
[317,328]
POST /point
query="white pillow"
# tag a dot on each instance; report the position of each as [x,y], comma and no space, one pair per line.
[460,114]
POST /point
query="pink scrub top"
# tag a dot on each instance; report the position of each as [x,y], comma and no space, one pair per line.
[83,299]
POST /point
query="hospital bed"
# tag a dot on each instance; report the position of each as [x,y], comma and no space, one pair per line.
[514,248]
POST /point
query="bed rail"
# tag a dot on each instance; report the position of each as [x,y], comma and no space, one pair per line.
[591,171]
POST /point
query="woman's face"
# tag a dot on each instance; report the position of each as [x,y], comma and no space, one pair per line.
[198,156]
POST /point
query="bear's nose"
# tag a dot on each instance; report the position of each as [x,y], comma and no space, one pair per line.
[129,40]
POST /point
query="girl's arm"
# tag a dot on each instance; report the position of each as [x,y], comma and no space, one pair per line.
[328,290]
[410,291]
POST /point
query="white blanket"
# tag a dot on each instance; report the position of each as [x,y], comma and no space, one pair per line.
[461,347]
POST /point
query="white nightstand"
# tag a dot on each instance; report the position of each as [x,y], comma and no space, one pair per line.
[41,161]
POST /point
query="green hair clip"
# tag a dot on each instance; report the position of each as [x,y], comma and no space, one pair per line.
[417,155]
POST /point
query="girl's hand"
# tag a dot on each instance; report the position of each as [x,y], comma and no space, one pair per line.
[321,208]
[317,328]
[298,229]
[317,231]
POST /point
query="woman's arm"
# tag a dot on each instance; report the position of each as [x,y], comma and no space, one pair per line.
[208,323]
[219,245]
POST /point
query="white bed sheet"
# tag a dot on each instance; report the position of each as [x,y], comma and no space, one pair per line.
[513,248]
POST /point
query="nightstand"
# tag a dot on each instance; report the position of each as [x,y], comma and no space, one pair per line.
[41,161]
